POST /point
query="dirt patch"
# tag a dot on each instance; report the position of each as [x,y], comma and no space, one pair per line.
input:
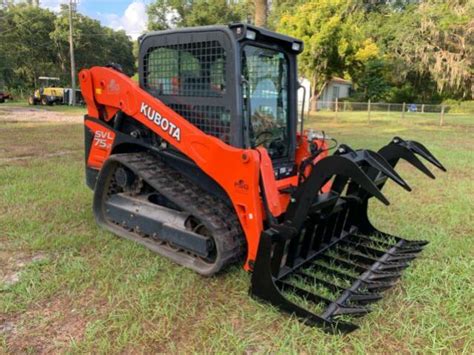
[47,328]
[31,114]
[12,263]
[43,156]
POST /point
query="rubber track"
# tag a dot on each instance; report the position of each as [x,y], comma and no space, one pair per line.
[212,212]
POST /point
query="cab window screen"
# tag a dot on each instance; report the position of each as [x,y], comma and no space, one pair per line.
[188,69]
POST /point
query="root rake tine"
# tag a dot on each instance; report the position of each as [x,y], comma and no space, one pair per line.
[365,297]
[344,263]
[392,266]
[310,296]
[385,276]
[353,311]
[333,287]
[420,243]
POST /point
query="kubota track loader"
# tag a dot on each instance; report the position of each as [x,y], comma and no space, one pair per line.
[204,162]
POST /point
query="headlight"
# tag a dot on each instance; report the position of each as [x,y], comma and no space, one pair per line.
[251,35]
[296,46]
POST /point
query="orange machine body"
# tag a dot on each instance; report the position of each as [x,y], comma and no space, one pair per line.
[238,171]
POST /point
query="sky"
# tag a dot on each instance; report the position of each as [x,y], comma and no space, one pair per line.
[128,15]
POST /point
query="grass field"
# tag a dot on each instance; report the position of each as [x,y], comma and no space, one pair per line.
[53,108]
[72,287]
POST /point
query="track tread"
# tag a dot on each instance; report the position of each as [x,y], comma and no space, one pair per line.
[214,213]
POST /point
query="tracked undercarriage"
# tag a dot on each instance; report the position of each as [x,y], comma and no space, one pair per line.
[148,202]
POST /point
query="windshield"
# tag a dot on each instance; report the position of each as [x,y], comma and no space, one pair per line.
[266,94]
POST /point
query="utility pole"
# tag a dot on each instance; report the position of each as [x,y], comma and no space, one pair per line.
[72,3]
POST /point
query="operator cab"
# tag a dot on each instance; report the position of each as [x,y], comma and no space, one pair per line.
[237,83]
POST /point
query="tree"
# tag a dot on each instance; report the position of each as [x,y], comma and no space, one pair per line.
[164,14]
[261,9]
[429,44]
[34,42]
[440,41]
[25,44]
[331,34]
[371,82]
[94,44]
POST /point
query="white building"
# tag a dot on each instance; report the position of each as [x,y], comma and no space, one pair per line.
[337,88]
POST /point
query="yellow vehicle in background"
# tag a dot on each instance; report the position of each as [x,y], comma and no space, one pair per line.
[47,94]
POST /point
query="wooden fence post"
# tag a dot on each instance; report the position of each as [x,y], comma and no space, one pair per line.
[403,110]
[441,118]
[336,104]
[368,110]
[423,108]
[344,107]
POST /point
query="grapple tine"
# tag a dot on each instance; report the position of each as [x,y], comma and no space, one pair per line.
[376,161]
[394,151]
[373,160]
[424,152]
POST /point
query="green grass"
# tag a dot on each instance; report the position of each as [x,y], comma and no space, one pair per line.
[54,108]
[93,292]
[409,118]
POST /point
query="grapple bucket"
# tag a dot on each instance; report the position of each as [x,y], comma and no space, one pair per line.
[325,262]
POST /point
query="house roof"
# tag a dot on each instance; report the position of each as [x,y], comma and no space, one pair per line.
[336,79]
